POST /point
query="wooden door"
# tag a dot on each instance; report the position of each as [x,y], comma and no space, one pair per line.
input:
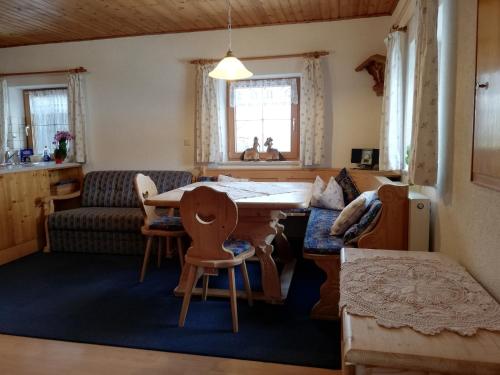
[486,148]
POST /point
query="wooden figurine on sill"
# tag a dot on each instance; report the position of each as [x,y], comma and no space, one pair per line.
[252,154]
[273,153]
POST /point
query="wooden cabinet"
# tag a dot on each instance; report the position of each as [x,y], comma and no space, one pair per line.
[21,210]
[486,152]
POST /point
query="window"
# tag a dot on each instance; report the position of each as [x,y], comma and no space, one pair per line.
[264,108]
[46,112]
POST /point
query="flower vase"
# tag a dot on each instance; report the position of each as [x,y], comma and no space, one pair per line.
[61,152]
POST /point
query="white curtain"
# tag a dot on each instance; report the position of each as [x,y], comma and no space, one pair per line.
[49,114]
[262,83]
[312,113]
[423,158]
[392,124]
[77,105]
[4,117]
[207,124]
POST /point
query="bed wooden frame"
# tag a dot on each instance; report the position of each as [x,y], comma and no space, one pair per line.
[390,232]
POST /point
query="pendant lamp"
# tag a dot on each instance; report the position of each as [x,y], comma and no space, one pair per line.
[230,68]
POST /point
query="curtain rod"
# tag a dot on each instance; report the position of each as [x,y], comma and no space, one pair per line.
[315,54]
[73,70]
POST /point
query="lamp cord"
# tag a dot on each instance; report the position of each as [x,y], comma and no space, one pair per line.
[229,26]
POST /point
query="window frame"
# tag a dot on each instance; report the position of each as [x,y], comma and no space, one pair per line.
[409,83]
[28,127]
[294,153]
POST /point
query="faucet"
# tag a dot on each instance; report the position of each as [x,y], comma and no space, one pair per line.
[9,156]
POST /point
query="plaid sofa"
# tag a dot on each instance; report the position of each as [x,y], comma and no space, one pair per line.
[110,218]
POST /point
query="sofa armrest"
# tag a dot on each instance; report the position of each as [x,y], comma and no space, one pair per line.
[48,202]
[48,208]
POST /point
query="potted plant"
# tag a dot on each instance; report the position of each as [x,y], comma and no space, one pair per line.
[61,139]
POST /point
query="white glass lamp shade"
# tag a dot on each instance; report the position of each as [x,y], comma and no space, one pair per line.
[230,69]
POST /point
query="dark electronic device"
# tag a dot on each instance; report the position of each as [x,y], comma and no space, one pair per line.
[366,158]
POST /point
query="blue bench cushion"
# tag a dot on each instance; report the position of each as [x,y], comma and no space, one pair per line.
[97,219]
[318,239]
[237,246]
[167,223]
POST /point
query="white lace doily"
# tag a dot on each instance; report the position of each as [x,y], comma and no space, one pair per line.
[427,295]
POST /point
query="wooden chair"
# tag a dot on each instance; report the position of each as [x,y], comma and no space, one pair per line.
[210,217]
[167,226]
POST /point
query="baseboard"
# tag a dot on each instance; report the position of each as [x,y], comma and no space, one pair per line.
[19,251]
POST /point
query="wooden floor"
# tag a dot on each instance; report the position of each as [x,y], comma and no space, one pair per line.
[20,356]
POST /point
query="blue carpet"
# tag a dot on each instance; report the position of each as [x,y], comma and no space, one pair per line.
[97,299]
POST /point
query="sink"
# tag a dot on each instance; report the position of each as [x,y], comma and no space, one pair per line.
[11,166]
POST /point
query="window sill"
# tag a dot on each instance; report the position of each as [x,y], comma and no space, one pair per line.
[256,164]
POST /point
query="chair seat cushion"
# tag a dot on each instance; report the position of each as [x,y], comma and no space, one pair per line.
[318,239]
[237,246]
[167,223]
[97,219]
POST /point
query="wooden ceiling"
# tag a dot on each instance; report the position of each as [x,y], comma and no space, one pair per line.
[24,22]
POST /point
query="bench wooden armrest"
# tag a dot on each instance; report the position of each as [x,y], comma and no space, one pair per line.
[391,230]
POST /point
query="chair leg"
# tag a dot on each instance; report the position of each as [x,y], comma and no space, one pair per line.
[205,287]
[158,261]
[246,281]
[145,261]
[180,251]
[232,294]
[187,294]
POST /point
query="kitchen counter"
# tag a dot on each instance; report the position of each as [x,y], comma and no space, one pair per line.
[23,189]
[28,167]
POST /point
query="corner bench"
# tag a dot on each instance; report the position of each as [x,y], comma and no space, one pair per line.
[390,232]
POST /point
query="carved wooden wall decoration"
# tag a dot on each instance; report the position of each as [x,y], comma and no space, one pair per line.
[375,66]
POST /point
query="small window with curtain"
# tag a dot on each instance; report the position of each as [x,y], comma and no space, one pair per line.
[264,108]
[46,112]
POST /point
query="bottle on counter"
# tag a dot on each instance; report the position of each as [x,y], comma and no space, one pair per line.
[46,155]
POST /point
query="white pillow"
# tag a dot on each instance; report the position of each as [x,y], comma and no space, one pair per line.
[222,178]
[352,213]
[330,197]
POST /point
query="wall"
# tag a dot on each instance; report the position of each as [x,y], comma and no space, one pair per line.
[466,217]
[141,90]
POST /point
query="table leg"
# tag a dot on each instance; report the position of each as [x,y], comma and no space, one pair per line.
[285,254]
[260,227]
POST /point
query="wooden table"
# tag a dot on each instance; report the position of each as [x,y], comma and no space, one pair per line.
[368,348]
[257,223]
